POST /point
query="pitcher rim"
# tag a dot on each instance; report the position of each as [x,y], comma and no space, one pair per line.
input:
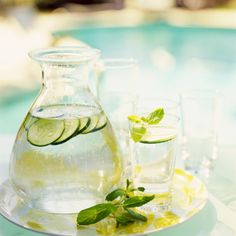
[64,54]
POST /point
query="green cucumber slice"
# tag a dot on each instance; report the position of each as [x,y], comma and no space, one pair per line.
[102,122]
[71,126]
[45,131]
[159,134]
[28,121]
[84,123]
[158,141]
[92,125]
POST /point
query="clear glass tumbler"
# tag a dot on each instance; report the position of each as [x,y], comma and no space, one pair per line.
[154,160]
[200,111]
[117,93]
[146,104]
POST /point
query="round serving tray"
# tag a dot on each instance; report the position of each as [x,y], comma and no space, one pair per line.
[189,197]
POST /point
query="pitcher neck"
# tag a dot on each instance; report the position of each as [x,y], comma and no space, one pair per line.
[68,64]
[69,74]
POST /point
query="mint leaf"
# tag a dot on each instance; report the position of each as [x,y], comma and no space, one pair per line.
[128,183]
[129,217]
[136,216]
[154,117]
[115,194]
[137,201]
[144,119]
[96,213]
[135,118]
[137,133]
[124,219]
[141,189]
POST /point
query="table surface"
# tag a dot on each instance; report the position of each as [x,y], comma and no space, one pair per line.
[208,222]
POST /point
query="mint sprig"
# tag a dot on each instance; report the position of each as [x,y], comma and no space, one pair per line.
[117,206]
[139,128]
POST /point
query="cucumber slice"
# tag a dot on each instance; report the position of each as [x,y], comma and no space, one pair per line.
[84,123]
[92,125]
[71,127]
[159,134]
[158,141]
[101,122]
[45,131]
[28,121]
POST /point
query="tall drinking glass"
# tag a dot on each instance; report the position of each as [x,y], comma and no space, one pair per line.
[117,92]
[154,159]
[200,115]
[146,104]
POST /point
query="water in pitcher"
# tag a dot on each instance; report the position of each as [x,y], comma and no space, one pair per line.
[63,157]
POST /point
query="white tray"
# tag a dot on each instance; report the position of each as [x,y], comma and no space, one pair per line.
[189,197]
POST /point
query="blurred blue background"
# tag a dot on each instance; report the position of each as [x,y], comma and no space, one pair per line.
[171,59]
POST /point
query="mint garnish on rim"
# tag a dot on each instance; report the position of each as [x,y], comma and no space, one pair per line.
[142,122]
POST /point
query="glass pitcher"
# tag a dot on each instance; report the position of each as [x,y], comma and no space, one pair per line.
[65,157]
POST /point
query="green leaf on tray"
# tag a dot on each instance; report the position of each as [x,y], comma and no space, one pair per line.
[124,219]
[96,213]
[141,189]
[135,215]
[128,183]
[115,194]
[137,201]
[117,207]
